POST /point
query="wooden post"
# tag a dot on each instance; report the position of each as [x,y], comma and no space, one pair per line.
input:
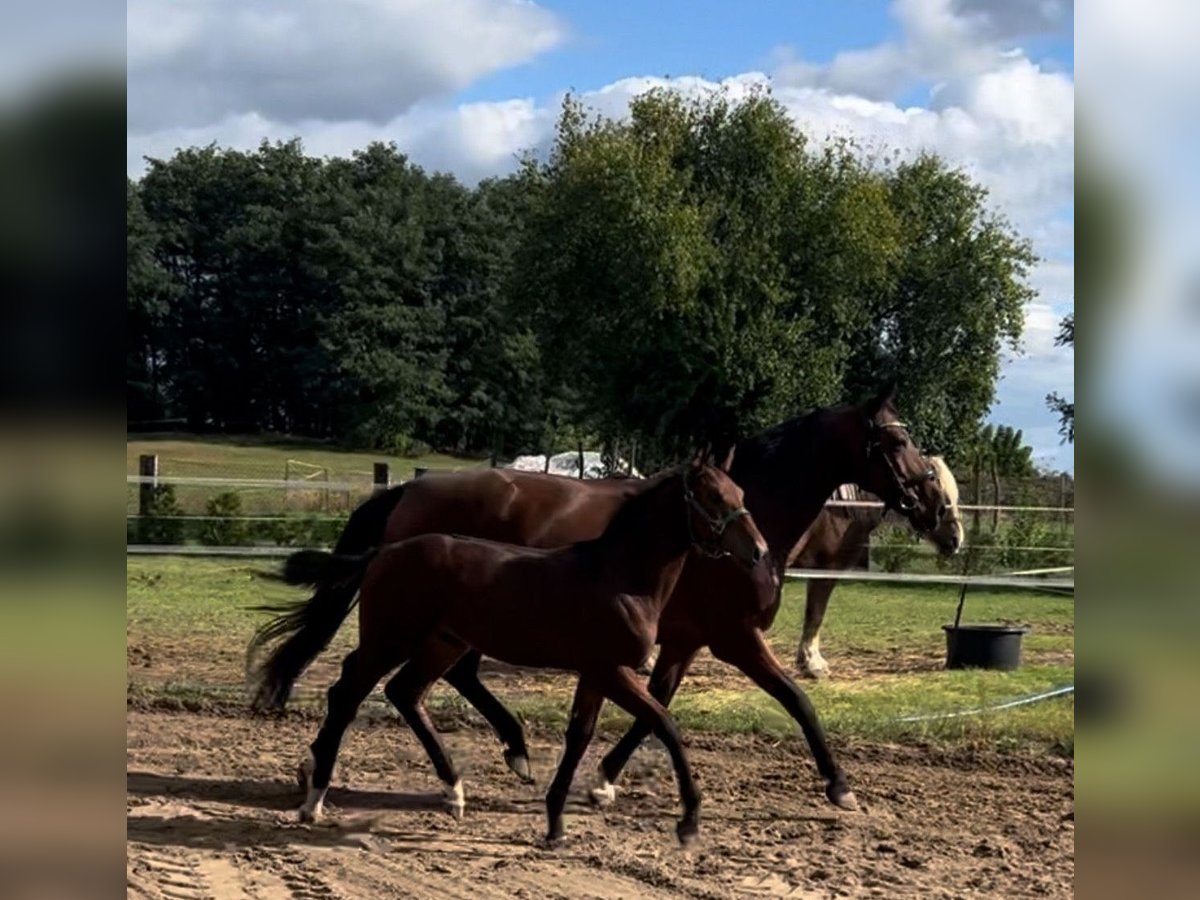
[581,459]
[381,476]
[147,468]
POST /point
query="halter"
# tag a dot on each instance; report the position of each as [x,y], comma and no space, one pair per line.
[716,524]
[908,497]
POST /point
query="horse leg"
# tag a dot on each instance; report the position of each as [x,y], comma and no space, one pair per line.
[808,659]
[672,663]
[625,690]
[749,652]
[406,690]
[464,678]
[360,673]
[584,712]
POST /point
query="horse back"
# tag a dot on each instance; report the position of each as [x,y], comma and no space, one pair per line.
[522,508]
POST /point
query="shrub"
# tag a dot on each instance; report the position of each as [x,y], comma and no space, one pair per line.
[225,526]
[160,523]
[895,550]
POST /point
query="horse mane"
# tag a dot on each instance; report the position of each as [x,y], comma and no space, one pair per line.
[779,438]
[946,481]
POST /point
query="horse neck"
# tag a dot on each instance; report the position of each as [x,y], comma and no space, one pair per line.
[646,543]
[788,473]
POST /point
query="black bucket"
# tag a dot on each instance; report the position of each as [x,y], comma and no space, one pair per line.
[984,646]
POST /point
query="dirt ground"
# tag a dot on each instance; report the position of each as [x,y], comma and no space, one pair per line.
[211,814]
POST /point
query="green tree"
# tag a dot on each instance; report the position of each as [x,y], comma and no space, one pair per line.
[656,269]
[1065,409]
[954,300]
[149,291]
[385,337]
[703,272]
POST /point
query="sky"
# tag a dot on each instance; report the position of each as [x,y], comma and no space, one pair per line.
[466,85]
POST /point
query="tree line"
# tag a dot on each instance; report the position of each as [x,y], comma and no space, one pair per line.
[697,269]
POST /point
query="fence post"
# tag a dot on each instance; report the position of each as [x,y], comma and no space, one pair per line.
[381,476]
[147,468]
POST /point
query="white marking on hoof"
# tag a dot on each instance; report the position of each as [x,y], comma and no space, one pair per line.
[813,665]
[605,794]
[314,806]
[848,801]
[454,799]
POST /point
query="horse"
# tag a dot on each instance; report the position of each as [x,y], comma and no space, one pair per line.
[786,472]
[836,542]
[591,608]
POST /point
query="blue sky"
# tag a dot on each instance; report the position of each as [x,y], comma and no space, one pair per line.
[466,85]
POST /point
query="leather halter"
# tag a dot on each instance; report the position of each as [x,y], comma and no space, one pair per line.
[904,486]
[716,524]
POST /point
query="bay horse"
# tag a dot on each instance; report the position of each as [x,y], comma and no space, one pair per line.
[837,540]
[786,472]
[591,608]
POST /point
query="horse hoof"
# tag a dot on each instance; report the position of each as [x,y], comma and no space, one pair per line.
[554,834]
[454,800]
[844,799]
[604,795]
[687,832]
[809,670]
[519,764]
[309,816]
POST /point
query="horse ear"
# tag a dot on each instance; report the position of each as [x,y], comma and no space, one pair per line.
[885,399]
[702,456]
[727,459]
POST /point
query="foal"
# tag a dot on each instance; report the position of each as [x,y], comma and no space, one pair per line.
[591,607]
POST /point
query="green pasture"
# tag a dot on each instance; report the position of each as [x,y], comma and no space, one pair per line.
[188,621]
[254,457]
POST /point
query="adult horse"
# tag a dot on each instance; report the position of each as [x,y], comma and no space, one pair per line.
[786,473]
[836,541]
[426,601]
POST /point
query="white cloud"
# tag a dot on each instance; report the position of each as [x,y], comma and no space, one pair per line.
[941,40]
[196,62]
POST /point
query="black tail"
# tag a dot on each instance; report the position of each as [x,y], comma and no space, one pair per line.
[304,628]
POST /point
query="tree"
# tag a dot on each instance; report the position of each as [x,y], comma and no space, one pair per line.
[1064,408]
[661,268]
[954,300]
[1001,451]
[705,272]
[149,291]
[385,336]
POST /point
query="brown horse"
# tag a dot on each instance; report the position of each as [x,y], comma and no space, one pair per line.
[591,608]
[787,473]
[837,540]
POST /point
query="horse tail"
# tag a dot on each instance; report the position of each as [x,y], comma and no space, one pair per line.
[303,628]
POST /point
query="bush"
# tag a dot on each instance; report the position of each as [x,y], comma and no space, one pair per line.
[160,523]
[307,531]
[406,445]
[895,550]
[225,527]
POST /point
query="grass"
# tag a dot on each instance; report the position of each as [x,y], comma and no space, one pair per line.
[253,457]
[188,621]
[273,459]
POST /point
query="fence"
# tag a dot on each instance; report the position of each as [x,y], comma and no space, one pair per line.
[178,506]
